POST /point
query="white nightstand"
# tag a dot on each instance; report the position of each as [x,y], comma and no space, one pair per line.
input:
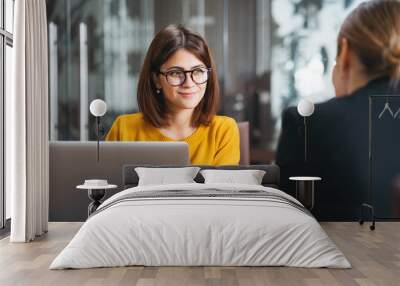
[96,193]
[305,190]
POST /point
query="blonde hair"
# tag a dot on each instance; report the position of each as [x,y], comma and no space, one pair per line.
[373,33]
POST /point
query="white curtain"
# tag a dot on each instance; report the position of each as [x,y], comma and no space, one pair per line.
[27,148]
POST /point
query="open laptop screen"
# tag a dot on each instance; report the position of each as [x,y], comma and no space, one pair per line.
[71,162]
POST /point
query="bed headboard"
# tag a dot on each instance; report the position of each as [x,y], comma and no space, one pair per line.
[270,179]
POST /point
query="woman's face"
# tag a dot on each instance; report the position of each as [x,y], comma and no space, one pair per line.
[188,94]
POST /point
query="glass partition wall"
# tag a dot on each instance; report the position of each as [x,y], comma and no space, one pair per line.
[269,53]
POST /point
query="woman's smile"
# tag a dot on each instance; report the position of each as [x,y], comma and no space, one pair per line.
[187,95]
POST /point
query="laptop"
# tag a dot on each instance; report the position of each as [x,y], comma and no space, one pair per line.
[72,162]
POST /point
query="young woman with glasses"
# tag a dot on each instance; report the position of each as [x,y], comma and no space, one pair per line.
[178,96]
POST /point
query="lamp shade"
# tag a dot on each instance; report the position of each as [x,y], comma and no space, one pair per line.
[98,107]
[305,107]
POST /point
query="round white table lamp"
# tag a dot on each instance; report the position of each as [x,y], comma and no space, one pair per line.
[98,108]
[305,108]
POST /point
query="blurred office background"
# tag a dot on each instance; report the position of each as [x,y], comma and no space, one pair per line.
[269,54]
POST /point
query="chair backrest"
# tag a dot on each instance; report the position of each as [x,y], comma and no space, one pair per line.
[244,131]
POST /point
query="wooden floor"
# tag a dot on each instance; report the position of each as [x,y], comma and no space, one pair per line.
[375,257]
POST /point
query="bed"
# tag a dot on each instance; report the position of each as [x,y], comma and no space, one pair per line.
[201,224]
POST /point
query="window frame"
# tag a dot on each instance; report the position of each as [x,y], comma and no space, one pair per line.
[6,39]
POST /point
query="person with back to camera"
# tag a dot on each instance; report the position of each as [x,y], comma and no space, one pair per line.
[178,96]
[367,63]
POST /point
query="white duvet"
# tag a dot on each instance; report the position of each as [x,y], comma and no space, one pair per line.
[200,231]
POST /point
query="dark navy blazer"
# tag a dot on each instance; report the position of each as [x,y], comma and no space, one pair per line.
[338,151]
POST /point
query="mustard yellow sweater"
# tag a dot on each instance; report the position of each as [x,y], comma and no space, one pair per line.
[216,144]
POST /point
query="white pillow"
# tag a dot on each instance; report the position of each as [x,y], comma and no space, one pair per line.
[163,176]
[249,177]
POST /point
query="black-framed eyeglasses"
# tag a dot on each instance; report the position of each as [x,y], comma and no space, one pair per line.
[177,77]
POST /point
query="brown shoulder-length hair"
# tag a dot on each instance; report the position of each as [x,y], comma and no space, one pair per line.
[165,44]
[373,33]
